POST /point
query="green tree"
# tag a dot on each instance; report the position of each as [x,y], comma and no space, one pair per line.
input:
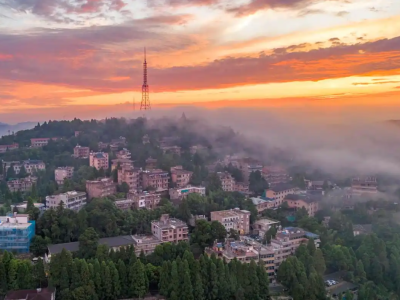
[11,172]
[88,243]
[257,183]
[213,183]
[319,262]
[39,245]
[138,283]
[3,279]
[198,290]
[13,275]
[186,289]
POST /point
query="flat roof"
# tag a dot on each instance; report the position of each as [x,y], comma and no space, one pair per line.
[280,187]
[267,221]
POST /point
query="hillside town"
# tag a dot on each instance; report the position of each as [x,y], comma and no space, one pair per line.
[145,192]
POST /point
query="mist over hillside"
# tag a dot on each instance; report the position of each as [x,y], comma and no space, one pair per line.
[5,129]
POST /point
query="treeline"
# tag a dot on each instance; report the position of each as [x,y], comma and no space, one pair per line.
[120,274]
[18,274]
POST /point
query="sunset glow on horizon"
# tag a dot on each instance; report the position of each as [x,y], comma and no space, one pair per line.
[70,55]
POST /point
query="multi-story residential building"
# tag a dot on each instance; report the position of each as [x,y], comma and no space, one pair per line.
[227,181]
[120,162]
[180,177]
[118,143]
[16,233]
[263,225]
[40,142]
[156,179]
[263,203]
[171,149]
[288,240]
[242,188]
[275,175]
[245,250]
[170,229]
[63,173]
[81,152]
[364,185]
[124,204]
[151,163]
[236,219]
[180,193]
[131,176]
[145,243]
[21,184]
[98,160]
[31,166]
[100,188]
[72,200]
[124,154]
[5,148]
[102,145]
[148,200]
[279,192]
[21,208]
[308,202]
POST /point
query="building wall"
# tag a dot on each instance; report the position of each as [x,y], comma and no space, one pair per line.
[279,196]
[166,231]
[81,152]
[311,207]
[16,238]
[100,188]
[155,179]
[233,219]
[131,176]
[71,200]
[62,173]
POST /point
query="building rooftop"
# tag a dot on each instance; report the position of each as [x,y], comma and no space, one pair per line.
[166,222]
[308,198]
[280,187]
[145,239]
[38,294]
[363,228]
[118,241]
[266,221]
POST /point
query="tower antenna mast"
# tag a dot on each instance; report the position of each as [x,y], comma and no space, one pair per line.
[145,104]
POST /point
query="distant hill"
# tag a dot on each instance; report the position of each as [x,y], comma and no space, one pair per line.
[4,128]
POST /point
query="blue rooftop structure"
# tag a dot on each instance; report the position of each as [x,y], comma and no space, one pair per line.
[16,233]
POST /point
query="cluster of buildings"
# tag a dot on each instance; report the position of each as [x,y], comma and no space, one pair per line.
[164,230]
[246,249]
[40,142]
[71,200]
[229,184]
[31,166]
[5,148]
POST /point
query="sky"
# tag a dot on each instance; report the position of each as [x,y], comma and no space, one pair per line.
[66,58]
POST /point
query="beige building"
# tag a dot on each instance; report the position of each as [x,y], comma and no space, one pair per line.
[62,173]
[156,179]
[309,203]
[72,200]
[100,188]
[31,166]
[151,163]
[81,152]
[180,177]
[124,204]
[98,160]
[171,149]
[180,193]
[279,192]
[124,154]
[40,142]
[120,162]
[148,200]
[248,165]
[145,243]
[131,176]
[22,184]
[170,229]
[242,187]
[236,219]
[263,225]
[364,185]
[227,181]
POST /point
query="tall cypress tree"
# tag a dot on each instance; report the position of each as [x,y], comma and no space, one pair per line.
[264,282]
[106,281]
[213,282]
[12,275]
[253,287]
[123,278]
[186,290]
[115,280]
[3,279]
[138,282]
[165,277]
[223,282]
[175,280]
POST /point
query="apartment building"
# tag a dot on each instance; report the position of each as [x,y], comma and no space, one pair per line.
[242,187]
[21,184]
[180,177]
[308,202]
[124,204]
[40,142]
[180,193]
[145,243]
[275,175]
[5,148]
[62,173]
[156,179]
[236,219]
[279,192]
[81,152]
[124,154]
[364,186]
[263,203]
[170,229]
[72,200]
[31,166]
[100,188]
[245,250]
[16,233]
[151,163]
[288,239]
[130,175]
[120,162]
[263,225]
[98,160]
[148,200]
[227,181]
